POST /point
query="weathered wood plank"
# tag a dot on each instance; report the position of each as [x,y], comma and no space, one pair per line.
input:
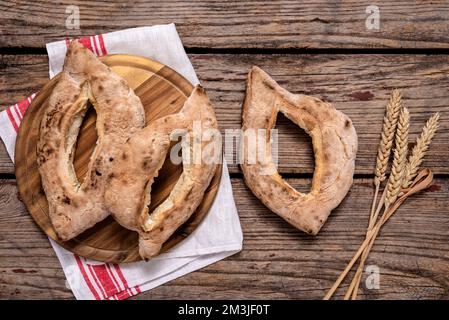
[6,165]
[358,85]
[237,24]
[277,261]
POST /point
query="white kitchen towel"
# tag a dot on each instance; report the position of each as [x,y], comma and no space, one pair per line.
[218,236]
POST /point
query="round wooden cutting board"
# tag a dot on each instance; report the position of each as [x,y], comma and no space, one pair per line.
[162,92]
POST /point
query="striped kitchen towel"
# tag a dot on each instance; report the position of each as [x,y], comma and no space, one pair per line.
[217,237]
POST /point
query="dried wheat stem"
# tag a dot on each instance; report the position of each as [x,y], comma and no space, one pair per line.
[353,287]
[399,158]
[342,276]
[387,135]
[358,275]
[421,183]
[392,190]
[419,150]
[373,205]
[386,142]
[370,236]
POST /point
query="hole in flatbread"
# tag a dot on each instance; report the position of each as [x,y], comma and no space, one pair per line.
[295,152]
[165,181]
[85,143]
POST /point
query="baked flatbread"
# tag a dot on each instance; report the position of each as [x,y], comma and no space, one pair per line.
[129,184]
[75,206]
[334,143]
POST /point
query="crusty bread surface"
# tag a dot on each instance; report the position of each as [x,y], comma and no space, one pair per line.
[141,158]
[334,142]
[85,80]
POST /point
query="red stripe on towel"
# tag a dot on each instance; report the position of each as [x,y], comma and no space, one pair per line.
[18,113]
[105,279]
[102,46]
[97,281]
[94,40]
[23,105]
[86,43]
[12,120]
[120,274]
[114,279]
[86,277]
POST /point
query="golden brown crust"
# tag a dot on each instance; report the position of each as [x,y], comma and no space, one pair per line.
[74,207]
[334,143]
[139,162]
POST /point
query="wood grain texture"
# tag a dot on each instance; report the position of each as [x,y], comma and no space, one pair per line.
[237,24]
[162,92]
[358,85]
[6,165]
[277,261]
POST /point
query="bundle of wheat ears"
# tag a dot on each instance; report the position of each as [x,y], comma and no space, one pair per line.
[405,179]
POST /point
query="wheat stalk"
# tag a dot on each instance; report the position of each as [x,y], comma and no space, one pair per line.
[399,158]
[383,155]
[410,172]
[392,190]
[419,150]
[386,142]
[402,171]
[387,135]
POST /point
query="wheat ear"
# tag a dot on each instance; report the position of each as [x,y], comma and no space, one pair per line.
[387,135]
[419,150]
[386,142]
[399,158]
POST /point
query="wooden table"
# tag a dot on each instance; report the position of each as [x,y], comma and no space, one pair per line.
[308,48]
